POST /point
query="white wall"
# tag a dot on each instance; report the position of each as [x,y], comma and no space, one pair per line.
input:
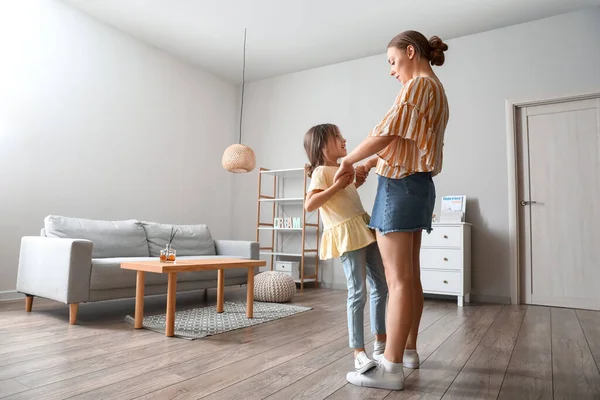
[95,124]
[553,57]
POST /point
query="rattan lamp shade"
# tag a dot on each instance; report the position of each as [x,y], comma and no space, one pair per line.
[239,158]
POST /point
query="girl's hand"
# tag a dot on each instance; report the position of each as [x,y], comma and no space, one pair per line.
[344,168]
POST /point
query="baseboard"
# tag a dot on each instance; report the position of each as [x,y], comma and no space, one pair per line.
[331,285]
[475,298]
[439,296]
[11,295]
[482,298]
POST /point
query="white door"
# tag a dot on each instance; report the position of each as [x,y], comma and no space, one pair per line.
[559,164]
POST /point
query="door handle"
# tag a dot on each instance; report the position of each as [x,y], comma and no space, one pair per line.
[524,203]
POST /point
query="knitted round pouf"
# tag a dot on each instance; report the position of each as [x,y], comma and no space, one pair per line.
[274,287]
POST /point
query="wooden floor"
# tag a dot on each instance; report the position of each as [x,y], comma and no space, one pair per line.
[475,352]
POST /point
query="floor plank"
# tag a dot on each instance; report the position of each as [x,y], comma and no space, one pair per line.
[206,380]
[575,374]
[436,334]
[273,380]
[133,388]
[320,384]
[351,392]
[505,329]
[532,355]
[73,338]
[437,372]
[129,351]
[519,387]
[411,395]
[10,386]
[97,346]
[590,322]
[482,376]
[434,311]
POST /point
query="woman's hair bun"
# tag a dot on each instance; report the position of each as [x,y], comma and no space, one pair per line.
[437,49]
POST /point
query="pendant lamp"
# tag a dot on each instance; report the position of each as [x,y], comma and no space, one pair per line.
[239,158]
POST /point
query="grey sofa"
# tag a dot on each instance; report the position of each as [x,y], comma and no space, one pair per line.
[78,260]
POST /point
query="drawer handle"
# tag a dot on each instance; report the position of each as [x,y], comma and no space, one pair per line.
[445,281]
[445,236]
[445,258]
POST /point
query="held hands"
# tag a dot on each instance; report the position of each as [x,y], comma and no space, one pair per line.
[344,169]
[362,172]
[343,180]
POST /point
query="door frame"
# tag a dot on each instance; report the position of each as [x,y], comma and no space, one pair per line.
[514,234]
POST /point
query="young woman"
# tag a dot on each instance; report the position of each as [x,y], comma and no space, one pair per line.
[408,143]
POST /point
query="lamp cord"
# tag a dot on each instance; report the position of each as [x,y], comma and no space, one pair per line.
[243,87]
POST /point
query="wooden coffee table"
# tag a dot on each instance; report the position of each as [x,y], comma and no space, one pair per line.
[172,268]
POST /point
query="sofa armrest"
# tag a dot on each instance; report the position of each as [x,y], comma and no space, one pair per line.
[237,248]
[55,268]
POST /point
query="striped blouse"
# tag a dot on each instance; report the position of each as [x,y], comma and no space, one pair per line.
[418,118]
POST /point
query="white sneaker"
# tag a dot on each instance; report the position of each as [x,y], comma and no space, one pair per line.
[411,359]
[382,377]
[362,363]
[378,349]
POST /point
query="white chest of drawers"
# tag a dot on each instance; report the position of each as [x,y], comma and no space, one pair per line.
[446,260]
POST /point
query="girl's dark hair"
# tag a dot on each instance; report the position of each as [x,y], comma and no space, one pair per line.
[315,141]
[432,49]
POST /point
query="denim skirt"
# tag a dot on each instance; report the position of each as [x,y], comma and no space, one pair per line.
[404,205]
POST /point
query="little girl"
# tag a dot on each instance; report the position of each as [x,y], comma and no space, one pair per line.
[347,236]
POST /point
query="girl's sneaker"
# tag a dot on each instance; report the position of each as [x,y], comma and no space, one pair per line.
[362,363]
[385,376]
[378,349]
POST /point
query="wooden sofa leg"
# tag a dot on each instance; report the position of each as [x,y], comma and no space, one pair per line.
[73,309]
[28,303]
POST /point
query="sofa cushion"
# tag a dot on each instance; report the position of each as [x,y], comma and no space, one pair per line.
[190,240]
[110,238]
[108,274]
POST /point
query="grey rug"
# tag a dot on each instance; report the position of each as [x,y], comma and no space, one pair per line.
[197,323]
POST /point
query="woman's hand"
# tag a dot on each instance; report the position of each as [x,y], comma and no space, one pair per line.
[345,168]
[343,180]
[371,163]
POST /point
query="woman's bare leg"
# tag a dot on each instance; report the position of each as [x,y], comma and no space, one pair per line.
[396,252]
[411,343]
